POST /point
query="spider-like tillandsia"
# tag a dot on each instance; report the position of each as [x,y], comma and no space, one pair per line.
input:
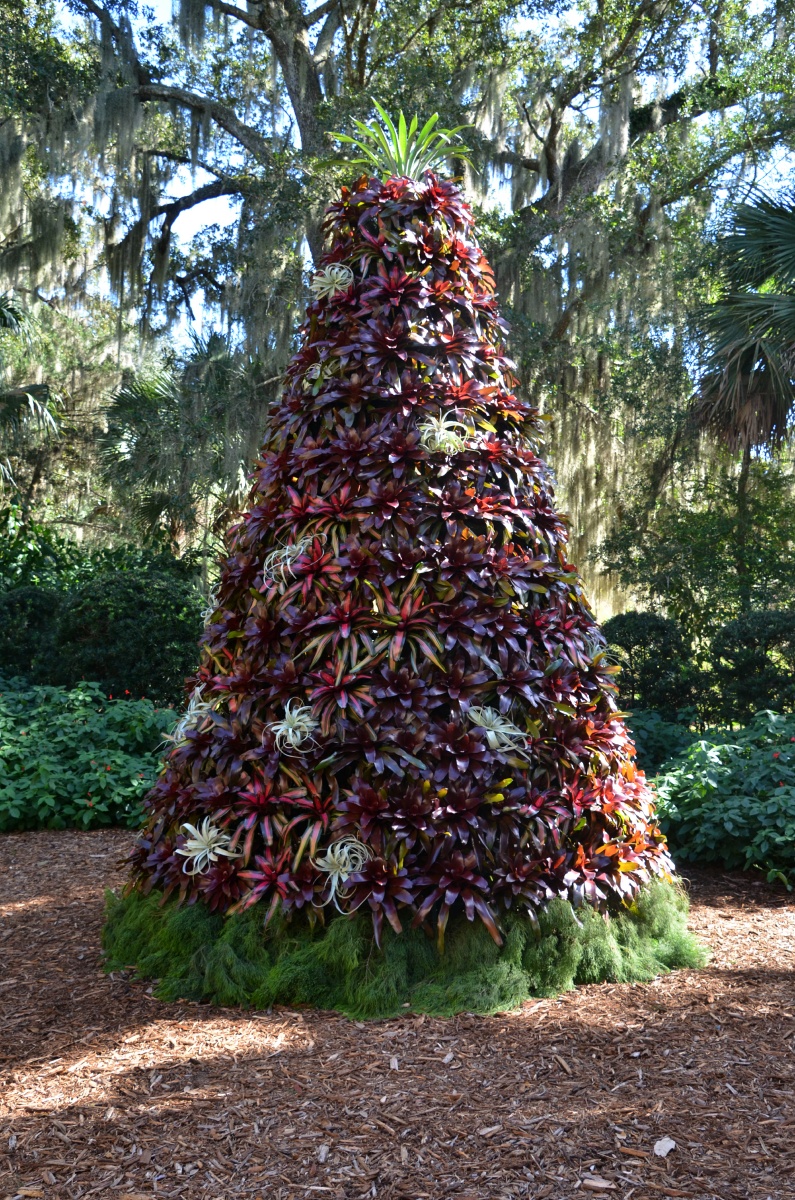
[204,846]
[296,729]
[211,607]
[444,434]
[501,734]
[278,565]
[195,712]
[341,860]
[331,280]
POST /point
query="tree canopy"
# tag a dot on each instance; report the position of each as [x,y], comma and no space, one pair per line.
[602,124]
[606,142]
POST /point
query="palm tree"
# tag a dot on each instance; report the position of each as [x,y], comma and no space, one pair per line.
[180,438]
[13,317]
[26,409]
[747,393]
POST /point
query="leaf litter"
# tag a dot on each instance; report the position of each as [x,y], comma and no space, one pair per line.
[107,1092]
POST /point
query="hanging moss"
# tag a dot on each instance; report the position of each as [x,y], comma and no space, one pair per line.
[198,955]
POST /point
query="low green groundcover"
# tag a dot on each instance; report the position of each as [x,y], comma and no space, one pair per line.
[196,955]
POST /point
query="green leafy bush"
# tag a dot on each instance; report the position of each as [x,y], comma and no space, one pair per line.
[656,739]
[746,667]
[730,798]
[35,554]
[28,619]
[754,664]
[655,662]
[127,617]
[131,633]
[72,758]
[31,554]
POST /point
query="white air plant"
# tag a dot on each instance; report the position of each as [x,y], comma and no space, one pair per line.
[197,709]
[296,728]
[501,734]
[341,860]
[331,280]
[204,846]
[278,566]
[211,607]
[444,434]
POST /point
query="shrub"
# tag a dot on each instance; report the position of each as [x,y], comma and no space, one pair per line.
[754,664]
[656,739]
[32,554]
[72,758]
[730,799]
[28,619]
[131,633]
[35,554]
[128,617]
[654,659]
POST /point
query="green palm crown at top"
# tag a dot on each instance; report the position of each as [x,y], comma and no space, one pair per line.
[402,150]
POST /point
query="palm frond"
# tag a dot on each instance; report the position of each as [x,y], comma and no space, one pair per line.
[761,245]
[178,436]
[14,318]
[22,408]
[747,391]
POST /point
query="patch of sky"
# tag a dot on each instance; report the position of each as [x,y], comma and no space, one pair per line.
[192,223]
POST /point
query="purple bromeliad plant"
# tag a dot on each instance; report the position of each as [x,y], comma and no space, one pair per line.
[403,704]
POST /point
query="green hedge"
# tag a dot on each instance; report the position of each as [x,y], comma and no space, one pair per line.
[127,617]
[746,667]
[74,758]
[729,798]
[656,739]
[131,634]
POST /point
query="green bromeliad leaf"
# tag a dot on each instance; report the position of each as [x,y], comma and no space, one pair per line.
[405,151]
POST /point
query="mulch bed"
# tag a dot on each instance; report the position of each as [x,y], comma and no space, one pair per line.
[107,1092]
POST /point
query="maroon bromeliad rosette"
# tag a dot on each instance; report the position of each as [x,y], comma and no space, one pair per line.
[403,702]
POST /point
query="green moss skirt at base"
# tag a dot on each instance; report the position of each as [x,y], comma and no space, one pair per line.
[196,955]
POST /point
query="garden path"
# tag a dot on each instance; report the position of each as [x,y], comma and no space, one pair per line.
[106,1092]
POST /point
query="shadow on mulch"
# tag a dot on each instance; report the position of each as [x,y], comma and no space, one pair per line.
[717,888]
[107,1092]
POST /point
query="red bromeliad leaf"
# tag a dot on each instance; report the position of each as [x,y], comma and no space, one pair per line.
[382,584]
[382,885]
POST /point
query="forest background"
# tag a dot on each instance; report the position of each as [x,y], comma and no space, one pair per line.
[163,178]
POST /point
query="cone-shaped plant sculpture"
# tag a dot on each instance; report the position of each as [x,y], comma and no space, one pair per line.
[403,708]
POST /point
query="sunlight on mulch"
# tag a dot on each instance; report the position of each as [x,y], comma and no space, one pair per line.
[108,1092]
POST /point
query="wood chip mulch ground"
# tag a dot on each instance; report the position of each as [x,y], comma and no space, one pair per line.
[107,1092]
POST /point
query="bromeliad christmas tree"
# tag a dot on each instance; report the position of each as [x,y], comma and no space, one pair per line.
[404,723]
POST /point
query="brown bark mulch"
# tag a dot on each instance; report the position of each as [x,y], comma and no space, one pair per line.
[106,1092]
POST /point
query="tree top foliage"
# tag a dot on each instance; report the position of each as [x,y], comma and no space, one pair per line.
[605,140]
[566,101]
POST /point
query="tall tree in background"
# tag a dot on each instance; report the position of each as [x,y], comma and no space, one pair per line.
[747,394]
[178,437]
[26,413]
[717,543]
[605,133]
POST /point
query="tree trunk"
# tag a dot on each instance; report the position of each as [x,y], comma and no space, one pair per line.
[744,542]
